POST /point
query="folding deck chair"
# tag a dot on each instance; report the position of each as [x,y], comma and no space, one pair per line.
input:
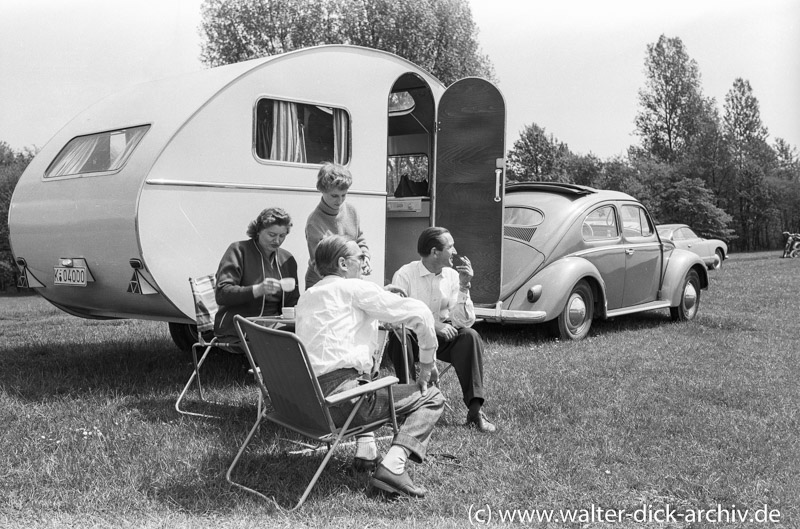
[205,306]
[299,405]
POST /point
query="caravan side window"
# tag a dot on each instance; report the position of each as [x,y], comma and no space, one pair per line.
[301,133]
[104,152]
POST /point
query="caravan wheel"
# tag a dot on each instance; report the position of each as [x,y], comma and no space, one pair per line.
[184,335]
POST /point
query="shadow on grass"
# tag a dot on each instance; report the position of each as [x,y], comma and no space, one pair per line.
[49,371]
[162,410]
[268,466]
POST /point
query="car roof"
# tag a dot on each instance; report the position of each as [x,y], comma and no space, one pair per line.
[567,190]
[553,187]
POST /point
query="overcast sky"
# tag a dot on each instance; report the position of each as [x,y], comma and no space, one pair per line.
[573,67]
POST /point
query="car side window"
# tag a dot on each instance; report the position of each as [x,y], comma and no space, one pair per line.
[600,225]
[635,222]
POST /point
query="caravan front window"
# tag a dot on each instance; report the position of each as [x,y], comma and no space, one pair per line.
[104,152]
[301,133]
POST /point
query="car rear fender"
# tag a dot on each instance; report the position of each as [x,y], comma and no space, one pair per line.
[678,265]
[557,281]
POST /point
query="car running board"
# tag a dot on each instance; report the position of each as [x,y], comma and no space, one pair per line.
[653,305]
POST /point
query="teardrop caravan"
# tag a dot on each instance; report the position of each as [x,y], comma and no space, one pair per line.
[149,186]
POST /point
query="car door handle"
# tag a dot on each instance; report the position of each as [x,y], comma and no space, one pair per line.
[629,251]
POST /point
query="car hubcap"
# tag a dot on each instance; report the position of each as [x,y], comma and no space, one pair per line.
[689,298]
[577,312]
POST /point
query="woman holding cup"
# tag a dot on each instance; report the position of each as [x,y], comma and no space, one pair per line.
[256,277]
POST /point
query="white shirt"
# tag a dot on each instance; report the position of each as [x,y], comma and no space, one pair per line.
[440,292]
[337,320]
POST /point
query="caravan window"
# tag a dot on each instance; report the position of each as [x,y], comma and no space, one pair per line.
[301,133]
[104,152]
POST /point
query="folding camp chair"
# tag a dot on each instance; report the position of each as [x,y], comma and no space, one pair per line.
[205,306]
[299,405]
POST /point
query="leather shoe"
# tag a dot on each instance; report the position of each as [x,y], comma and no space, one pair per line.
[480,422]
[366,465]
[396,484]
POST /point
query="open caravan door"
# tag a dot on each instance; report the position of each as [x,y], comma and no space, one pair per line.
[470,175]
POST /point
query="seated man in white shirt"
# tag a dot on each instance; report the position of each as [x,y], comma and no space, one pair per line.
[337,320]
[445,290]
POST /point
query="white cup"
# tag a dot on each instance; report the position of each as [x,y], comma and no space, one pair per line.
[288,313]
[287,284]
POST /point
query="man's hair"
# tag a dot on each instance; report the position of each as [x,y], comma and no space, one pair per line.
[268,217]
[328,252]
[333,176]
[429,239]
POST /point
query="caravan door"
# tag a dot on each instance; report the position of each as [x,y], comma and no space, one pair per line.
[470,175]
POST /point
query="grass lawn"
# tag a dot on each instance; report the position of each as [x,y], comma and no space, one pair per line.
[645,412]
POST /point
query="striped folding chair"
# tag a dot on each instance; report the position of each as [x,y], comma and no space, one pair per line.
[205,306]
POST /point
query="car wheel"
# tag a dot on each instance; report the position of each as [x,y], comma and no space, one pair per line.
[720,258]
[690,298]
[184,335]
[575,320]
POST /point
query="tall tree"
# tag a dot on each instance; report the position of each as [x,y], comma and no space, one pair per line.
[438,35]
[788,164]
[748,195]
[536,157]
[746,134]
[671,101]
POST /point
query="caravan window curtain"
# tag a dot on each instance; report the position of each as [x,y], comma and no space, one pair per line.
[341,136]
[295,132]
[288,143]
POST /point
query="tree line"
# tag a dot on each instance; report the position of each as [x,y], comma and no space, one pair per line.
[12,163]
[715,171]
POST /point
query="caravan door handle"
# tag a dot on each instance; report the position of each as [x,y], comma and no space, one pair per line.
[629,251]
[499,164]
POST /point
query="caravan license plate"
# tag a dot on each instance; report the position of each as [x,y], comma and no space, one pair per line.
[75,277]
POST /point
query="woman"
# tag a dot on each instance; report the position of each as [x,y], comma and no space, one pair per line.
[250,273]
[333,216]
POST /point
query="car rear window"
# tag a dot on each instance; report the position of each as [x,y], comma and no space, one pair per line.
[516,216]
[520,223]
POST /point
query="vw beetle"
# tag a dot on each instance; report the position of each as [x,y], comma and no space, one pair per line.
[573,253]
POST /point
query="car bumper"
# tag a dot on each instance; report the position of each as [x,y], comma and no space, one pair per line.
[498,315]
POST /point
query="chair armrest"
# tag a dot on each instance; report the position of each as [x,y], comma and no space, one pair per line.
[375,385]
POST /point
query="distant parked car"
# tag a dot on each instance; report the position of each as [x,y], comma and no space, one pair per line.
[712,251]
[792,247]
[572,253]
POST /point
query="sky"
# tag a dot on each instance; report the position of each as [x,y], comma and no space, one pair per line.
[573,67]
